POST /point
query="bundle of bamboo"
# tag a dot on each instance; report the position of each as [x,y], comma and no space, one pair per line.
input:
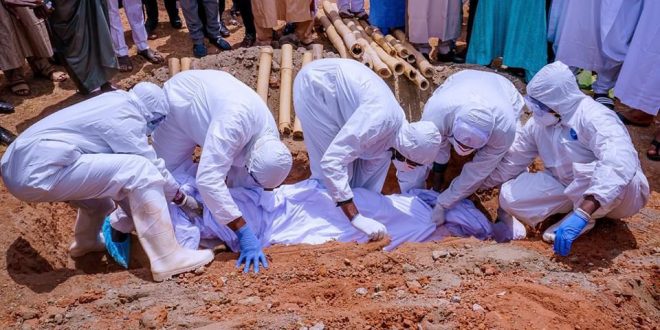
[387,55]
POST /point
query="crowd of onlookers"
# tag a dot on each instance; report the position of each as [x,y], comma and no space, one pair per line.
[617,45]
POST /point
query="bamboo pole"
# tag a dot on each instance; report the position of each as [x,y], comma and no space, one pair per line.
[400,49]
[297,126]
[391,62]
[378,37]
[331,12]
[174,66]
[286,82]
[265,61]
[186,62]
[426,68]
[317,52]
[332,34]
[421,82]
[363,40]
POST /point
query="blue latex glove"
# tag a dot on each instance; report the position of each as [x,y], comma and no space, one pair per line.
[251,252]
[568,231]
[119,251]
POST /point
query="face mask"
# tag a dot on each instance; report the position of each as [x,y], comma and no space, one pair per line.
[402,166]
[545,118]
[460,150]
[153,124]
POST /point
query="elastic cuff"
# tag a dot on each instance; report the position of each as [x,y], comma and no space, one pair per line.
[344,202]
[585,216]
[439,168]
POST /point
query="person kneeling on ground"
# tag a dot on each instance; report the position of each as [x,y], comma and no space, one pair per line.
[591,167]
[96,153]
[240,144]
[355,128]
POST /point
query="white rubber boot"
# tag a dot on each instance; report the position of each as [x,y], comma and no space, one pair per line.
[508,228]
[87,236]
[154,228]
[549,234]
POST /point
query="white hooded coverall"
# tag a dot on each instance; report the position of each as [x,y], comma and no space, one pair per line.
[351,120]
[589,152]
[229,121]
[90,154]
[489,107]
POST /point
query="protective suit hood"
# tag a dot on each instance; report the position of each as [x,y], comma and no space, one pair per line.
[269,161]
[150,100]
[418,141]
[473,124]
[556,87]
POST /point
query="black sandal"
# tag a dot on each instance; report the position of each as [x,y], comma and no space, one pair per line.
[655,143]
[125,64]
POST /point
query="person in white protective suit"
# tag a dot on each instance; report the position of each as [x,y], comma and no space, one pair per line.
[591,167]
[475,111]
[96,152]
[240,145]
[354,128]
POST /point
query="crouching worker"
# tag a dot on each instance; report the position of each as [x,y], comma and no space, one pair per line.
[240,144]
[95,153]
[354,129]
[591,167]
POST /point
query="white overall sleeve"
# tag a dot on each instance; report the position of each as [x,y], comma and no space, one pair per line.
[224,141]
[475,172]
[363,129]
[128,137]
[617,159]
[517,159]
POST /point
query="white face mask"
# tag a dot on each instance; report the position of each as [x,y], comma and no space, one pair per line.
[545,118]
[459,149]
[402,166]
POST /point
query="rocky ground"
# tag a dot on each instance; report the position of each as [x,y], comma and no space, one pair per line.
[610,281]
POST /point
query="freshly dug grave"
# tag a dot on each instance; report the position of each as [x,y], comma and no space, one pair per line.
[610,281]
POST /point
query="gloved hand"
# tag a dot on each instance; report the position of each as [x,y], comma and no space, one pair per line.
[374,229]
[251,253]
[569,230]
[188,204]
[438,215]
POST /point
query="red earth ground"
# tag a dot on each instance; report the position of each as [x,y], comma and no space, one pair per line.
[610,281]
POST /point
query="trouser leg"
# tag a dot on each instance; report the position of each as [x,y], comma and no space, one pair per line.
[212,21]
[532,197]
[193,22]
[245,7]
[89,221]
[172,10]
[304,31]
[135,17]
[116,28]
[151,7]
[606,80]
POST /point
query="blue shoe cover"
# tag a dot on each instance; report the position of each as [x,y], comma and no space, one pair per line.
[119,251]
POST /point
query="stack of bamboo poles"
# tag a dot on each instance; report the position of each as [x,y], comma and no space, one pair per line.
[387,55]
[286,84]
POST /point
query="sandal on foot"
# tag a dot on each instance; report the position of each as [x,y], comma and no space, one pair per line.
[20,88]
[58,76]
[125,64]
[152,56]
[655,143]
[220,43]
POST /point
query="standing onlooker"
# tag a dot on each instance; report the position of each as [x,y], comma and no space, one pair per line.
[151,7]
[196,28]
[24,36]
[638,85]
[133,9]
[224,31]
[436,18]
[268,12]
[514,30]
[388,14]
[81,36]
[352,8]
[589,34]
[245,9]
